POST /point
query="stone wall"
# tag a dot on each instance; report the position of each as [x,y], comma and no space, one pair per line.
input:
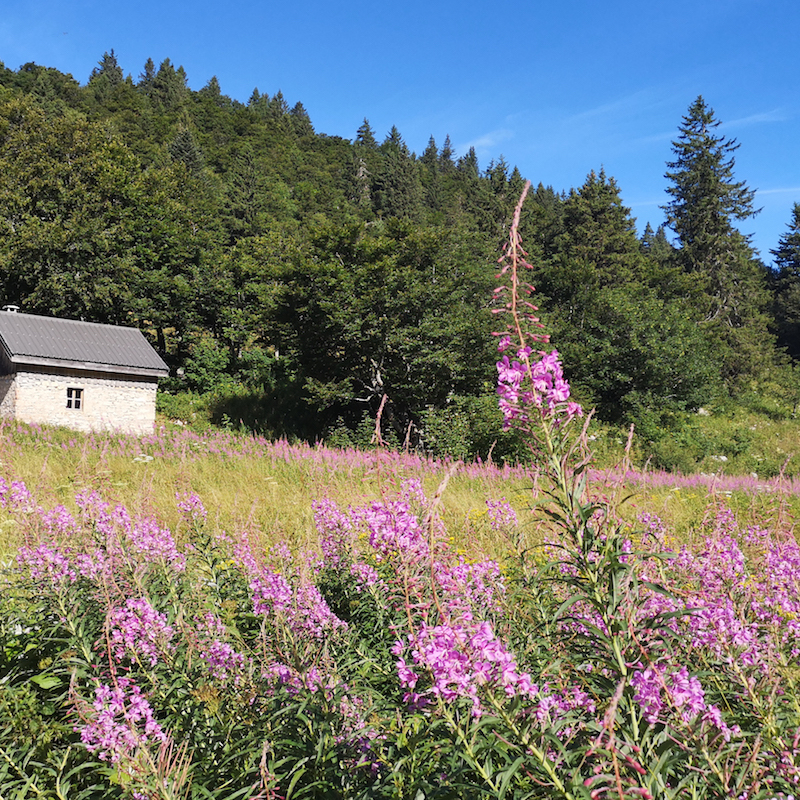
[126,405]
[8,394]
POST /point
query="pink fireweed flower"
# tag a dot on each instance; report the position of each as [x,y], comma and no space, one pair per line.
[155,543]
[139,631]
[501,514]
[303,609]
[120,722]
[687,694]
[92,506]
[271,593]
[656,692]
[19,498]
[222,659]
[366,576]
[465,587]
[460,658]
[94,564]
[47,563]
[654,529]
[394,530]
[59,522]
[412,492]
[336,531]
[192,508]
[524,385]
[295,680]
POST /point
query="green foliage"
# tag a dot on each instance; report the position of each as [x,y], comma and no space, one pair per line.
[785,287]
[470,428]
[199,218]
[84,232]
[385,310]
[185,408]
[627,345]
[205,365]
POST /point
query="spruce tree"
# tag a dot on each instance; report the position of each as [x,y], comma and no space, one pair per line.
[430,155]
[301,121]
[148,75]
[629,350]
[706,201]
[259,104]
[446,155]
[278,107]
[786,287]
[169,87]
[109,68]
[365,136]
[787,253]
[184,148]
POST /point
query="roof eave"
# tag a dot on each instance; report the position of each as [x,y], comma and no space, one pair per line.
[146,372]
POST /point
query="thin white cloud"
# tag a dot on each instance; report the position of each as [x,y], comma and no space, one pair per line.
[786,190]
[776,115]
[666,136]
[642,101]
[613,107]
[488,141]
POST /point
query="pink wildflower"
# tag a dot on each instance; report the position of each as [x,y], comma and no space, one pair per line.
[139,631]
[121,721]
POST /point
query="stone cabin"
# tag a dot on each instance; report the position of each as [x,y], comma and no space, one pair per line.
[81,375]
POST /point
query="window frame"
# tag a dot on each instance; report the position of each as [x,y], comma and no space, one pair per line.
[75,398]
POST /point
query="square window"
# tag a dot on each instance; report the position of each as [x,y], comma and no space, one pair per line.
[74,398]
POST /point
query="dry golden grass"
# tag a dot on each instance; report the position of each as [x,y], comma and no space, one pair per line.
[263,493]
[268,490]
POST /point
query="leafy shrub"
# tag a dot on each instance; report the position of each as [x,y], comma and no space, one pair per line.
[471,427]
[205,366]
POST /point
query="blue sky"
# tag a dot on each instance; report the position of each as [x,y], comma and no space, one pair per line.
[557,88]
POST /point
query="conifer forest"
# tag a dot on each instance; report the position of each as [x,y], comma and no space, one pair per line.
[306,280]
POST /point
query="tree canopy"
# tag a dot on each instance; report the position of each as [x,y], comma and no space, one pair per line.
[323,273]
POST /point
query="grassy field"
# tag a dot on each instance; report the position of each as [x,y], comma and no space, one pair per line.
[245,482]
[195,615]
[267,488]
[248,483]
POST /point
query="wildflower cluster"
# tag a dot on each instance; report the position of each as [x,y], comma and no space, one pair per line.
[191,506]
[461,658]
[302,607]
[138,631]
[501,514]
[526,385]
[660,693]
[119,722]
[223,661]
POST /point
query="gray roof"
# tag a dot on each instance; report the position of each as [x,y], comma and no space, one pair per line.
[32,340]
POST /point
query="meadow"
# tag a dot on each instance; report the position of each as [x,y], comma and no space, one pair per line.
[214,615]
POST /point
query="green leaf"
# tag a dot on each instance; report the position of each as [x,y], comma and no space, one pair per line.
[507,777]
[46,681]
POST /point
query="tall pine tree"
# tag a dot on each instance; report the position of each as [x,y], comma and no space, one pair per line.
[706,202]
[786,287]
